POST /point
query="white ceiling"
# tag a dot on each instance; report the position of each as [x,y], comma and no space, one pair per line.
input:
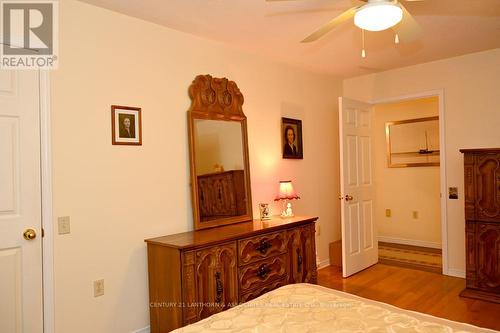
[274,29]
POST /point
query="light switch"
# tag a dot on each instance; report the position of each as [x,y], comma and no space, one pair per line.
[98,288]
[415,214]
[453,193]
[388,213]
[63,225]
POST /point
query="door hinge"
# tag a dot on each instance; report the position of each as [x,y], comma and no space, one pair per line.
[43,233]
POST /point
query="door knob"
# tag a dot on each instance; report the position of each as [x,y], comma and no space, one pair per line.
[348,197]
[29,234]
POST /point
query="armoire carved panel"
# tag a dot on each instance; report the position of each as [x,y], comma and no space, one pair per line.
[482,214]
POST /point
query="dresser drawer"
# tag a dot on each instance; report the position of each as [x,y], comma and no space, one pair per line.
[257,248]
[262,290]
[204,271]
[262,273]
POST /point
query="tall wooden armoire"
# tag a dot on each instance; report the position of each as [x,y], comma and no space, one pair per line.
[482,215]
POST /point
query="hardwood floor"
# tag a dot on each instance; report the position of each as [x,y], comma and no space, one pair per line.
[415,290]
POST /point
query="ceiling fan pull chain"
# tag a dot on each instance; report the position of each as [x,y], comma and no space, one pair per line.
[363,52]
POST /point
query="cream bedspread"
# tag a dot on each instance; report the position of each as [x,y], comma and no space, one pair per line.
[304,308]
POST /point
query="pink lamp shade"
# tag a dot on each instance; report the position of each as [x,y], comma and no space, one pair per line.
[286,191]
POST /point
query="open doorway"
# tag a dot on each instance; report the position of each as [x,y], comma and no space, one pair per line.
[406,155]
[360,212]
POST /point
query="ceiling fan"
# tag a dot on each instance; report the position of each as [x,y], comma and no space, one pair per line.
[375,15]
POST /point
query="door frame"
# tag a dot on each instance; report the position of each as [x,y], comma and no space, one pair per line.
[46,193]
[439,93]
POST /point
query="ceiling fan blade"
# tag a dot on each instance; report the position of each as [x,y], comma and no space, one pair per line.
[348,14]
[408,29]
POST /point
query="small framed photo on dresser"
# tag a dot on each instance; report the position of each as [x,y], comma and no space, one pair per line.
[291,137]
[265,211]
[126,124]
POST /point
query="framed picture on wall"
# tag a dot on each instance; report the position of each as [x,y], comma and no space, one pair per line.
[126,125]
[291,137]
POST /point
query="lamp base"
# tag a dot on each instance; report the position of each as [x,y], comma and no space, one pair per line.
[288,212]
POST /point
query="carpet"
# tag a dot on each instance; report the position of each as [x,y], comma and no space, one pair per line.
[408,256]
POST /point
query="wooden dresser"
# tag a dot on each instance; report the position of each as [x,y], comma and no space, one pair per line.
[195,274]
[482,214]
[221,194]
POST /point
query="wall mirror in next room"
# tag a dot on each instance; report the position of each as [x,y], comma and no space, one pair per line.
[413,142]
[218,145]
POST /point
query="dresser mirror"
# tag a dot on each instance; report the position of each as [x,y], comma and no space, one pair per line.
[218,146]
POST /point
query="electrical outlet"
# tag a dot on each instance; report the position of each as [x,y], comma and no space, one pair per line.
[415,214]
[98,288]
[63,225]
[388,213]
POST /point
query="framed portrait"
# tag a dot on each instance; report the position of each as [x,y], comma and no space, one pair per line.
[291,138]
[126,125]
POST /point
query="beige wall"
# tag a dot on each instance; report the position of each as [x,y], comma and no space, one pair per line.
[404,190]
[471,100]
[117,196]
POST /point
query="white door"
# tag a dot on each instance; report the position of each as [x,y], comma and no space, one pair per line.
[20,203]
[359,240]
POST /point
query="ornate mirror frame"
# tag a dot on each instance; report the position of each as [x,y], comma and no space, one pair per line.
[217,99]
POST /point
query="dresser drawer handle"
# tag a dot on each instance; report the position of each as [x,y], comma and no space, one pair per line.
[263,271]
[299,261]
[263,246]
[218,288]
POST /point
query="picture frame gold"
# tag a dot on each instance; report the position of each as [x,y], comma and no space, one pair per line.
[421,134]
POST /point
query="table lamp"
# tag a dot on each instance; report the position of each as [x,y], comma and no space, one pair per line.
[286,192]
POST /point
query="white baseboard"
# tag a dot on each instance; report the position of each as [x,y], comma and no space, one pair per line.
[143,330]
[456,273]
[409,242]
[323,263]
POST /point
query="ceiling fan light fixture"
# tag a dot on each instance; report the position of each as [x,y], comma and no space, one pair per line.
[378,16]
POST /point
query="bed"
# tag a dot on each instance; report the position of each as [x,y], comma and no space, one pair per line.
[304,308]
